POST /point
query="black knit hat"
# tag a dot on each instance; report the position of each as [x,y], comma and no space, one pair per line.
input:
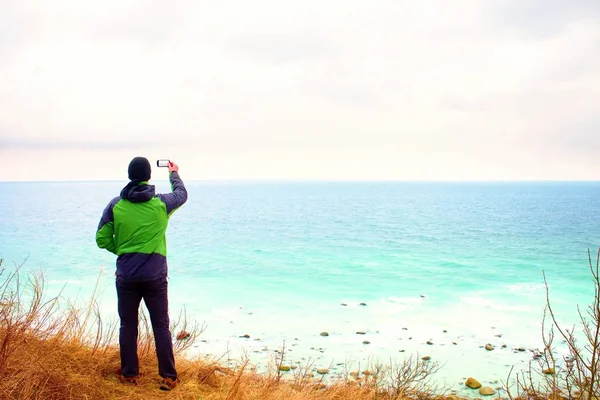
[139,169]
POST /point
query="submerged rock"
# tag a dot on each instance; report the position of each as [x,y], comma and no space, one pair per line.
[324,333]
[473,383]
[486,391]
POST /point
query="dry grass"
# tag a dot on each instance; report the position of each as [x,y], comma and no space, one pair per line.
[49,350]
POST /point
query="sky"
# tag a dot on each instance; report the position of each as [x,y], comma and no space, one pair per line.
[341,90]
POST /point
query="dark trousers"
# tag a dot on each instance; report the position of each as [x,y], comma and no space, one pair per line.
[154,293]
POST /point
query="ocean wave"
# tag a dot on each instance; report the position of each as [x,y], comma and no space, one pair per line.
[482,302]
[402,300]
[528,288]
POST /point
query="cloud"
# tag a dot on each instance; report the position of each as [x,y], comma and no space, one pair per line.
[7,143]
[541,18]
[266,82]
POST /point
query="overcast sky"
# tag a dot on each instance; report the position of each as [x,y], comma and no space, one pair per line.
[427,89]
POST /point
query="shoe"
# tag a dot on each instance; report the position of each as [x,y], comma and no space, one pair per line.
[169,383]
[132,380]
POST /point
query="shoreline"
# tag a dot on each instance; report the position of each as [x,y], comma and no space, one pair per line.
[459,351]
[460,357]
[454,339]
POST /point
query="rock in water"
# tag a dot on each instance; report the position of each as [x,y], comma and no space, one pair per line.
[489,347]
[548,371]
[284,368]
[486,391]
[322,371]
[473,383]
[324,334]
[183,335]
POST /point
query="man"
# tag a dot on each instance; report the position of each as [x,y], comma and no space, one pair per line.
[133,226]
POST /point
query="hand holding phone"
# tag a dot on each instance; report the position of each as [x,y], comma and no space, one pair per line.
[162,163]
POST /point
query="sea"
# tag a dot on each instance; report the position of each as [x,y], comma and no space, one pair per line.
[339,275]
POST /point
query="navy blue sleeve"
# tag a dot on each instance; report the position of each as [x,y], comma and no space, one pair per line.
[107,213]
[179,195]
[105,232]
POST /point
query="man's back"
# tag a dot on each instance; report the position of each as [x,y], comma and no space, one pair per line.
[133,226]
[140,227]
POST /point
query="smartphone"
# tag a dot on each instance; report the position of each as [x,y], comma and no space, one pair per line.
[162,163]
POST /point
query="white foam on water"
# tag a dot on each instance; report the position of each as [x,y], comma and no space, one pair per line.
[526,288]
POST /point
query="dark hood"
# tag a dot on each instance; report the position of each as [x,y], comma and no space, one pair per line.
[137,192]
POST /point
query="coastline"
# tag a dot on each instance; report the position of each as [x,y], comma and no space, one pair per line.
[71,335]
[461,354]
[453,334]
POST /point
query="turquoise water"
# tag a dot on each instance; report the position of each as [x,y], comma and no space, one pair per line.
[277,260]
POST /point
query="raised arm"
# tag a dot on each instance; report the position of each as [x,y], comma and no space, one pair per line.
[105,238]
[179,194]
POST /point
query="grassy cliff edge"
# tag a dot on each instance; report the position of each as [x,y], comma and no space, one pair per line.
[52,351]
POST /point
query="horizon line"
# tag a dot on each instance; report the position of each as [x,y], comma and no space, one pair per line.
[289,180]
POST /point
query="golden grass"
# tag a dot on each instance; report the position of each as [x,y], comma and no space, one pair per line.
[49,351]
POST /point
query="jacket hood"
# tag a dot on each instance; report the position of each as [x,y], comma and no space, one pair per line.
[138,192]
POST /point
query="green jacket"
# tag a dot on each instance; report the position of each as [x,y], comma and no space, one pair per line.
[133,226]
